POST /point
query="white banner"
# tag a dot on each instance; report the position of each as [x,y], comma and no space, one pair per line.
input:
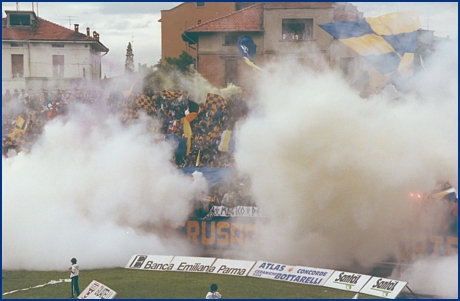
[232,267]
[150,262]
[347,281]
[382,287]
[269,270]
[238,211]
[305,275]
[193,264]
[97,290]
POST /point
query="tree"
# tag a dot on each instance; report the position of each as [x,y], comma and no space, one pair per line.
[182,63]
[129,63]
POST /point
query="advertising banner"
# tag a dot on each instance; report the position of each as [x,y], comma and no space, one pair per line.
[193,264]
[347,281]
[150,262]
[382,287]
[305,275]
[232,267]
[269,270]
[97,290]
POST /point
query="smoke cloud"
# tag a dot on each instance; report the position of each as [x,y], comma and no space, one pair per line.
[333,171]
[96,190]
[330,170]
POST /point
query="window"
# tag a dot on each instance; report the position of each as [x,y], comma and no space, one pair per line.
[297,29]
[13,44]
[17,63]
[231,71]
[58,66]
[18,19]
[231,39]
[200,4]
[57,45]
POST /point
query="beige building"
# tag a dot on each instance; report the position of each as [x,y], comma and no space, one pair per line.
[279,29]
[39,54]
[188,14]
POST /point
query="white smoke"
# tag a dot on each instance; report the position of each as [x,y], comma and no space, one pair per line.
[333,171]
[432,276]
[96,190]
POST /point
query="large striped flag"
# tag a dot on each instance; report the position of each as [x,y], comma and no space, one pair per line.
[171,94]
[129,112]
[214,101]
[144,102]
[21,140]
[388,42]
[226,142]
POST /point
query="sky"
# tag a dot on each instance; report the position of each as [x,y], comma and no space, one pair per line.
[119,23]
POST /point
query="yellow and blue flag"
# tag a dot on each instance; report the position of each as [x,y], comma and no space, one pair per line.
[144,102]
[388,42]
[214,101]
[227,143]
[246,47]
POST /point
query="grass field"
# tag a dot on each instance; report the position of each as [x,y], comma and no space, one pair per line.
[137,284]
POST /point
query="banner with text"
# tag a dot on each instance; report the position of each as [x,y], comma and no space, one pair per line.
[150,262]
[305,275]
[347,281]
[238,211]
[232,267]
[382,287]
[269,270]
[221,232]
[193,264]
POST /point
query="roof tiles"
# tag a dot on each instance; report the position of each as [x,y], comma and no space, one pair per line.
[42,30]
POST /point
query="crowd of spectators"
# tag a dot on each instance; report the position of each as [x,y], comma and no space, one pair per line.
[169,107]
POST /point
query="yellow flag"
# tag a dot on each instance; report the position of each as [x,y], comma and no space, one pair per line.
[187,134]
[21,126]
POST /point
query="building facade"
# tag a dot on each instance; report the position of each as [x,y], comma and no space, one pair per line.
[280,30]
[188,14]
[38,54]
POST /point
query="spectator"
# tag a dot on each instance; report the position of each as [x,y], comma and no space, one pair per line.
[7,96]
[74,272]
[213,294]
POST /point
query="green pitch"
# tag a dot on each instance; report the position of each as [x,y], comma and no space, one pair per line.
[137,284]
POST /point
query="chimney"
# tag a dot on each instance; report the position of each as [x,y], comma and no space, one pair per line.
[87,32]
[76,27]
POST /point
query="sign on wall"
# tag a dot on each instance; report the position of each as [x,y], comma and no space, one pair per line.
[232,267]
[347,281]
[150,262]
[193,264]
[382,287]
